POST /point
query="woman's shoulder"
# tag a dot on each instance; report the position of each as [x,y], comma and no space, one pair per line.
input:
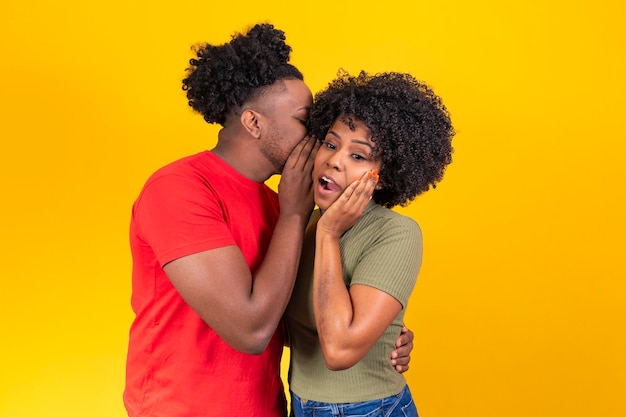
[390,215]
[390,221]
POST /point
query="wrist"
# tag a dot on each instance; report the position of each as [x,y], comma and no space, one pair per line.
[294,218]
[327,235]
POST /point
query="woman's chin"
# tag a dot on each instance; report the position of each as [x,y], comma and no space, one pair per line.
[322,206]
[322,203]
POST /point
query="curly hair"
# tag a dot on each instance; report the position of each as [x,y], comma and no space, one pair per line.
[224,77]
[410,127]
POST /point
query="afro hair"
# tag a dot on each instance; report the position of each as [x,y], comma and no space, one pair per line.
[222,78]
[410,126]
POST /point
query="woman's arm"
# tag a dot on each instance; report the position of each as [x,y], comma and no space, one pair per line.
[349,321]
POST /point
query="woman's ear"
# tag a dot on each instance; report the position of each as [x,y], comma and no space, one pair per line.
[250,120]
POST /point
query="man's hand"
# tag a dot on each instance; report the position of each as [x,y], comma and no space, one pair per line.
[401,355]
[295,190]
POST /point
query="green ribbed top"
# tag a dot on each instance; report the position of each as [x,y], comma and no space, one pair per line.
[383,250]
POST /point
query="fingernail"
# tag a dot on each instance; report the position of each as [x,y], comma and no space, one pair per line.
[375,171]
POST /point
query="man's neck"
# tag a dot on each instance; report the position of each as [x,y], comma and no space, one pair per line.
[241,153]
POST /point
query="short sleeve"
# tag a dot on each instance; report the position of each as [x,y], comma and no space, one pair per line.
[392,262]
[180,215]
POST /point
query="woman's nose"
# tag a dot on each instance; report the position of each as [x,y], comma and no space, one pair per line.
[334,162]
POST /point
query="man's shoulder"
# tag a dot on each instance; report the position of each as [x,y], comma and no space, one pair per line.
[182,164]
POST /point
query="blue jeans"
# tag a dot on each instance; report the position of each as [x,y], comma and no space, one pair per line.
[400,405]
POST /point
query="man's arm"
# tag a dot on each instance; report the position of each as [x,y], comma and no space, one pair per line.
[245,310]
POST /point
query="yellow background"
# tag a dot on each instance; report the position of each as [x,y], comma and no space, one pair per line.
[520,306]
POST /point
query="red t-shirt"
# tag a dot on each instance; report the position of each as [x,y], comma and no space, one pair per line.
[177,365]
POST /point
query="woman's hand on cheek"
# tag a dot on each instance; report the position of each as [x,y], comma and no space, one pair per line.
[348,208]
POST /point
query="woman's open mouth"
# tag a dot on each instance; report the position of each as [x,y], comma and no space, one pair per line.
[328,184]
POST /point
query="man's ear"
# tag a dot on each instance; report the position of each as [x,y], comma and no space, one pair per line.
[250,120]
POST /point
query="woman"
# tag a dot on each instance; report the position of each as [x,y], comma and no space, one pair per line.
[384,140]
